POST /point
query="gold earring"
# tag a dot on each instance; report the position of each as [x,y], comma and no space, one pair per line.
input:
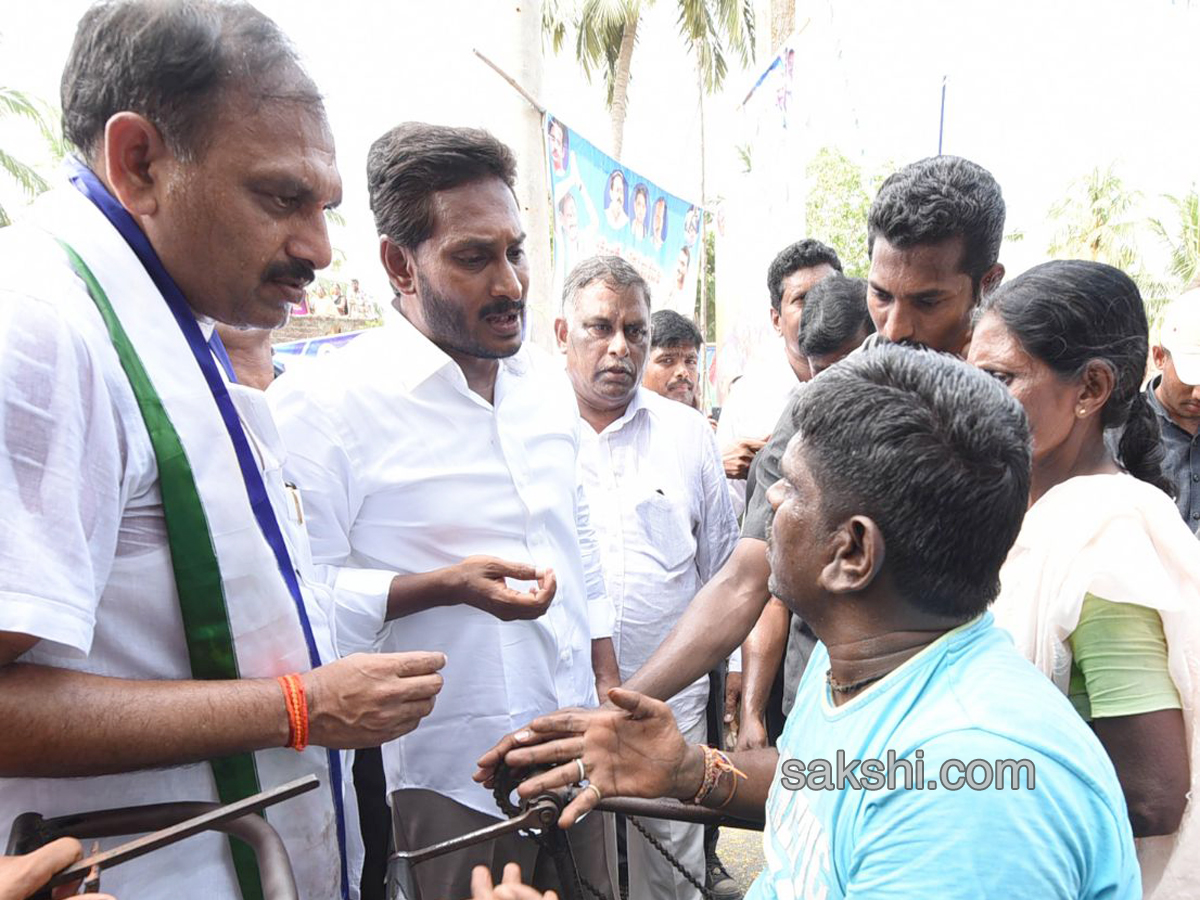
[1081,412]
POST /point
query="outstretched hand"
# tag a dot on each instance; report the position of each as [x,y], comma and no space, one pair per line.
[635,750]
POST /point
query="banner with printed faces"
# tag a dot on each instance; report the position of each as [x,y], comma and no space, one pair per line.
[602,207]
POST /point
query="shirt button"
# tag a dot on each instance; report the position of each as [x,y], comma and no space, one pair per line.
[565,656]
[1196,516]
[1196,478]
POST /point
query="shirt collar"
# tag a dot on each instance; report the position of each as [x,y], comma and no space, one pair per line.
[1152,398]
[207,326]
[422,358]
[641,403]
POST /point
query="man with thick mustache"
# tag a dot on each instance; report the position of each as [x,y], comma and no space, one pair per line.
[437,438]
[163,636]
[660,507]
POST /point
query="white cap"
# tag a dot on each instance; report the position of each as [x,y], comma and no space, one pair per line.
[1181,336]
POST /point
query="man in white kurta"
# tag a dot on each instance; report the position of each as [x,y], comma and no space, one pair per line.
[435,439]
[660,508]
[112,282]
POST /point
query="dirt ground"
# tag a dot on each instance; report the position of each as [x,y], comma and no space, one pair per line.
[741,852]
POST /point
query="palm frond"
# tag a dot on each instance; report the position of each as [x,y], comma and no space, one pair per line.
[24,175]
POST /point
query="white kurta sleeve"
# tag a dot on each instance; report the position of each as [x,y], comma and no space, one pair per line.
[61,465]
[319,465]
[602,615]
[718,527]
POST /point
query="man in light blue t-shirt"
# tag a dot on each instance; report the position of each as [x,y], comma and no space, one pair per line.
[923,757]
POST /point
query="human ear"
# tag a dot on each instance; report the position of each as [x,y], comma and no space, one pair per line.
[775,320]
[1096,387]
[398,262]
[1159,355]
[991,279]
[857,552]
[560,333]
[132,159]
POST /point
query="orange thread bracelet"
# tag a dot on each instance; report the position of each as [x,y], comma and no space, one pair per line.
[297,710]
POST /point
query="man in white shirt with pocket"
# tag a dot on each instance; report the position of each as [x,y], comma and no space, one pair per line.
[659,504]
[436,438]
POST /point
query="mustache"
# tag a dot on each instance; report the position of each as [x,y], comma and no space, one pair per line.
[293,270]
[502,308]
[621,366]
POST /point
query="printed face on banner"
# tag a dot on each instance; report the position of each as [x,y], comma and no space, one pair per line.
[601,207]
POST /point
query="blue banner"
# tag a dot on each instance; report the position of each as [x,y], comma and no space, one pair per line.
[602,207]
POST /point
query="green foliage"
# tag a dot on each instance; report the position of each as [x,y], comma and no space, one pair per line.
[710,28]
[1097,220]
[838,200]
[16,104]
[1182,237]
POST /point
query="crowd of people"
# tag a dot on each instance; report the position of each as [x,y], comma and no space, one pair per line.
[943,536]
[337,299]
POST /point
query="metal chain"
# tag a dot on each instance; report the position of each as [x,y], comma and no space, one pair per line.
[506,780]
[657,845]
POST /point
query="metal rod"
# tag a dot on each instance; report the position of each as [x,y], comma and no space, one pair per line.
[675,811]
[942,117]
[205,822]
[512,82]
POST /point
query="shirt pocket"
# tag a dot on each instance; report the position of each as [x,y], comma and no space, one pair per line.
[666,530]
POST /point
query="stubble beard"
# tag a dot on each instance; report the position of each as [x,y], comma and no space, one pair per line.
[447,321]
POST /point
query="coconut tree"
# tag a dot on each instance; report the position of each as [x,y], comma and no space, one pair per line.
[1183,238]
[605,33]
[1096,221]
[14,103]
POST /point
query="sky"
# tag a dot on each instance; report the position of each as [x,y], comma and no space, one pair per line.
[1038,91]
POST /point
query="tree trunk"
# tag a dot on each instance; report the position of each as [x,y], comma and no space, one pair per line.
[703,317]
[783,22]
[620,93]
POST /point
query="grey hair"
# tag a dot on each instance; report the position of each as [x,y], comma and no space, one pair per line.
[615,272]
[174,62]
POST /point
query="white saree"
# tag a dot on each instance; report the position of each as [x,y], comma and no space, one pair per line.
[1121,539]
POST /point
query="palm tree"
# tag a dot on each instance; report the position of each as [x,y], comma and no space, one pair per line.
[605,33]
[1096,221]
[783,22]
[16,103]
[1184,240]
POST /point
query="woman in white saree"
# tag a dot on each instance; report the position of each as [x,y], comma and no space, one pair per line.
[1102,589]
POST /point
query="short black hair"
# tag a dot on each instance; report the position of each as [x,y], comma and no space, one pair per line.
[670,329]
[835,311]
[803,254]
[415,160]
[173,62]
[936,199]
[936,453]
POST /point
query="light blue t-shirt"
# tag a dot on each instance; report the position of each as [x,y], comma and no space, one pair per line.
[968,696]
